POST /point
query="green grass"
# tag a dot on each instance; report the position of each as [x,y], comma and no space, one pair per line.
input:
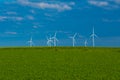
[60,63]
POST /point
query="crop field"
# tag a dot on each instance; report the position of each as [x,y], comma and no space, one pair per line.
[59,63]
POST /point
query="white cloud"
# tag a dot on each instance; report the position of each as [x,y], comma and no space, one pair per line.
[32,11]
[54,6]
[99,3]
[11,33]
[35,27]
[48,15]
[11,13]
[111,20]
[44,5]
[106,4]
[116,1]
[72,3]
[30,17]
[2,18]
[16,18]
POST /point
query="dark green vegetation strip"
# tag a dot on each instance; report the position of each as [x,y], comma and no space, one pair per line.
[59,63]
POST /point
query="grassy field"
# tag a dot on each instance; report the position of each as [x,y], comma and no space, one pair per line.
[60,63]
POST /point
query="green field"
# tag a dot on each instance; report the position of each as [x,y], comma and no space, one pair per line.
[60,63]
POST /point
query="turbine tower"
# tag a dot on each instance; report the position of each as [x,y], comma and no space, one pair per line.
[55,40]
[73,39]
[86,42]
[31,42]
[49,41]
[93,37]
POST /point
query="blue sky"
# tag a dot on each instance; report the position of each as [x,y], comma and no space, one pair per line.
[20,19]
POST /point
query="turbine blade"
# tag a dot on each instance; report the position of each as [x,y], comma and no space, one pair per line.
[91,35]
[96,36]
[55,34]
[75,35]
[56,39]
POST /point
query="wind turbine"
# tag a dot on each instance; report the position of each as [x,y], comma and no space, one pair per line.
[55,40]
[93,37]
[86,42]
[31,42]
[73,39]
[49,41]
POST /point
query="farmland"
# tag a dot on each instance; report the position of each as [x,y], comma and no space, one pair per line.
[59,63]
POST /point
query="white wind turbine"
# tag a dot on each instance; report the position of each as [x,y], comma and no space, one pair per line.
[73,39]
[31,42]
[93,37]
[86,42]
[49,41]
[55,40]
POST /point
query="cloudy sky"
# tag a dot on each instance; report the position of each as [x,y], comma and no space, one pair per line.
[21,19]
